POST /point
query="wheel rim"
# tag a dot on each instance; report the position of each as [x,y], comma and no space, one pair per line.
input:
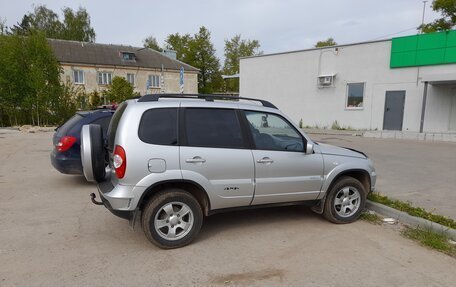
[347,201]
[174,220]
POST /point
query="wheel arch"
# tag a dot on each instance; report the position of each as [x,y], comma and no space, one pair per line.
[192,187]
[359,174]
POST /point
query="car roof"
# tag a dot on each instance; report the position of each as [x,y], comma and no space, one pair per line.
[203,100]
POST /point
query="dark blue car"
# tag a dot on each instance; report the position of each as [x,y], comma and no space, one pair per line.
[66,154]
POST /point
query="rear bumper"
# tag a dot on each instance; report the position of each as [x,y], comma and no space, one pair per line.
[66,165]
[117,199]
[125,214]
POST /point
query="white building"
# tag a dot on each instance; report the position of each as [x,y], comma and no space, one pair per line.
[406,83]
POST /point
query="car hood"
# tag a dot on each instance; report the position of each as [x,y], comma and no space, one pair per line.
[335,150]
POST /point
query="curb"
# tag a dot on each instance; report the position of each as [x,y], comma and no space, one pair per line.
[410,220]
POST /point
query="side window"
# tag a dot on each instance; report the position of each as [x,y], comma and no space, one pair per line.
[159,126]
[104,123]
[272,132]
[218,128]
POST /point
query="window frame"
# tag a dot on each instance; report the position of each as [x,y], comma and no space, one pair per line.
[134,78]
[74,78]
[347,93]
[108,81]
[131,56]
[182,137]
[246,123]
[178,127]
[151,82]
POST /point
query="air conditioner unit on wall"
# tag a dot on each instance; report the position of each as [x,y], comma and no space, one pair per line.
[326,80]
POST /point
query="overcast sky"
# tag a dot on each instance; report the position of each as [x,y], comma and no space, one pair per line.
[278,25]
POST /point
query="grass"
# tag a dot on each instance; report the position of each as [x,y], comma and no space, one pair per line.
[371,217]
[414,211]
[429,238]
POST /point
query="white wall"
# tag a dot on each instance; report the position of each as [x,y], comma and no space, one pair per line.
[289,80]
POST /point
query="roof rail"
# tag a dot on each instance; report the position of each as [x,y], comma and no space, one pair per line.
[209,98]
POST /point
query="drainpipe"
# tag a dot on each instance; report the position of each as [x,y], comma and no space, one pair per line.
[423,106]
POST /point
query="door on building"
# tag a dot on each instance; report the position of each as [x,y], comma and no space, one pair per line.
[394,110]
[452,123]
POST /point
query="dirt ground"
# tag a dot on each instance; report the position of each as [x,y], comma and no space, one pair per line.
[52,235]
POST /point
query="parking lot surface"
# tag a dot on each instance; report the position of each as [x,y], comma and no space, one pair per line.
[51,235]
[423,173]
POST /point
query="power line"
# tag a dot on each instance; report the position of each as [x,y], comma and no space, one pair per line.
[392,34]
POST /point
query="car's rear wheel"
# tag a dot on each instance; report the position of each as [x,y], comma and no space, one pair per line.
[345,201]
[172,219]
[93,153]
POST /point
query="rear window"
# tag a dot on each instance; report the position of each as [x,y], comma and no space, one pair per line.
[63,130]
[218,128]
[114,124]
[104,123]
[159,126]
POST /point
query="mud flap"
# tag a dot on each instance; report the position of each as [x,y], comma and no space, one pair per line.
[132,221]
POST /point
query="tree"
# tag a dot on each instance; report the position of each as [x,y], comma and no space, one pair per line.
[235,48]
[75,25]
[448,10]
[2,27]
[180,44]
[209,78]
[199,52]
[119,91]
[30,89]
[328,42]
[152,43]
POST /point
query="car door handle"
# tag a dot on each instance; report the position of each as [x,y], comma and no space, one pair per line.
[265,160]
[195,159]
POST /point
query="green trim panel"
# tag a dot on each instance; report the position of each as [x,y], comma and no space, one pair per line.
[424,50]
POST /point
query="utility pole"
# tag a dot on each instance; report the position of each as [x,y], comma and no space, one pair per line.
[422,19]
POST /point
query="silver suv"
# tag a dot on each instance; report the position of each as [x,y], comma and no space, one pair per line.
[173,159]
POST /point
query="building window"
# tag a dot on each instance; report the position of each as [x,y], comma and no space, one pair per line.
[78,76]
[355,95]
[153,81]
[131,79]
[127,56]
[104,78]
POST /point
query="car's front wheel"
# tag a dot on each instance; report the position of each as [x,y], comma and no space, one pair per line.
[172,219]
[345,200]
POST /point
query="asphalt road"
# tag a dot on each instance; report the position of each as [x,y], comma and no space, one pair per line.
[423,173]
[51,235]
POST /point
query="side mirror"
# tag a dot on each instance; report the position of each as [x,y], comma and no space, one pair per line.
[309,148]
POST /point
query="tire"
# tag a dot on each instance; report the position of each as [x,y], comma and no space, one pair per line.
[345,201]
[93,153]
[185,218]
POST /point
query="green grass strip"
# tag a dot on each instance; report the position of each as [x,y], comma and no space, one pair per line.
[429,238]
[414,211]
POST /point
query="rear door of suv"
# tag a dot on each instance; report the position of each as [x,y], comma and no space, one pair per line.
[214,153]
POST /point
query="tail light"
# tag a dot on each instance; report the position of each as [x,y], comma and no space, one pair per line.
[65,143]
[119,161]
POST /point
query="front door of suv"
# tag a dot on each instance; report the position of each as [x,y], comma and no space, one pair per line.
[283,171]
[214,153]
